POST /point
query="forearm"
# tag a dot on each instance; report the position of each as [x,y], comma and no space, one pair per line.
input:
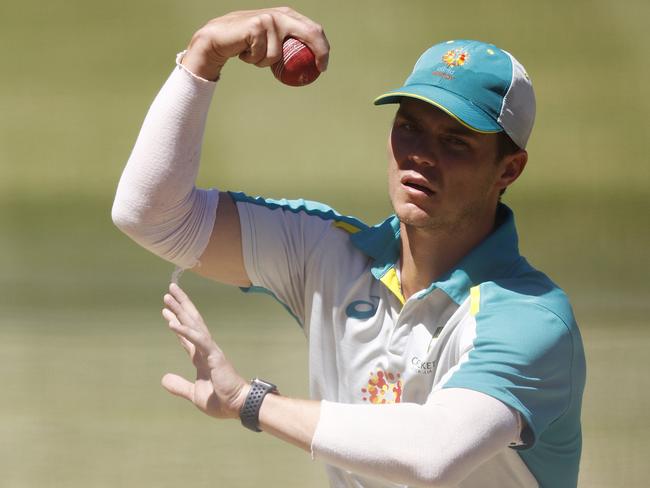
[292,420]
[443,441]
[156,202]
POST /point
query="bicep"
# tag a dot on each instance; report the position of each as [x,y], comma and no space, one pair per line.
[223,259]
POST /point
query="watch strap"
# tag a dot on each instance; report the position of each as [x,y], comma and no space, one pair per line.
[250,411]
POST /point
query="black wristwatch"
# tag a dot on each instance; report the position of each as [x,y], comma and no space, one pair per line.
[250,412]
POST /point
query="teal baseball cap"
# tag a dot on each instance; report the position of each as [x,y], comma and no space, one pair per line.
[483,87]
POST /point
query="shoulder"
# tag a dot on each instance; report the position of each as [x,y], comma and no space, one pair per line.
[526,298]
[304,208]
[295,233]
[530,319]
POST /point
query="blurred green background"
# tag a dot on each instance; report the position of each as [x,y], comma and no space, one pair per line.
[82,346]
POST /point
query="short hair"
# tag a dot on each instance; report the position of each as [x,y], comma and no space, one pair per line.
[505,147]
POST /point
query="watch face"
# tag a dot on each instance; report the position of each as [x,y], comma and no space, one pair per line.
[265,383]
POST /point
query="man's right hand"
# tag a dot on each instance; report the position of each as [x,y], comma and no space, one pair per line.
[255,36]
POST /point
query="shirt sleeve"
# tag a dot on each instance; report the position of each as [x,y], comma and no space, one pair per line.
[281,243]
[157,203]
[521,355]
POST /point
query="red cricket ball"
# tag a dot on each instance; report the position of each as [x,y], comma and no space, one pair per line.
[298,64]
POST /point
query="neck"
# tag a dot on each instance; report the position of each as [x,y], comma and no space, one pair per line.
[429,253]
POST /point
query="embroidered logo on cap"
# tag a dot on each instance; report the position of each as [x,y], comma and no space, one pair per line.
[455,57]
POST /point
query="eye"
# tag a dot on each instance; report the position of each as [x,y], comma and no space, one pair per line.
[405,125]
[454,141]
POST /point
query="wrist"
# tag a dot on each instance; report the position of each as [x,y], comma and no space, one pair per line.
[241,400]
[198,59]
[250,411]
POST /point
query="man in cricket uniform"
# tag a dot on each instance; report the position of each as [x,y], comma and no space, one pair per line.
[438,355]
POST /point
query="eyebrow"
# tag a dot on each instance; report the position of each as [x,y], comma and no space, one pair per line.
[461,130]
[454,127]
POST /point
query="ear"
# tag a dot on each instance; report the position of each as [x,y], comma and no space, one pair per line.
[511,167]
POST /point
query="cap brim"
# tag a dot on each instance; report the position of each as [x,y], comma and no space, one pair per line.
[457,107]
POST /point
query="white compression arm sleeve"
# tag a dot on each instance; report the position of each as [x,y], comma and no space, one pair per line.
[443,440]
[156,202]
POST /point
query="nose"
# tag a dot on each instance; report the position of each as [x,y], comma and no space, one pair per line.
[422,158]
[421,151]
[416,151]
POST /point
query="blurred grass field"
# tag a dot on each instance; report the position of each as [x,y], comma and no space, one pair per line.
[82,346]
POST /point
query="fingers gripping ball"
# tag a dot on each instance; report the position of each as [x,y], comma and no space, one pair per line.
[298,64]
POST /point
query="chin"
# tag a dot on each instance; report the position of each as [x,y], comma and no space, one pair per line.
[413,215]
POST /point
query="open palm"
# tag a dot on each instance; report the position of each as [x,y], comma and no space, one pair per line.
[218,389]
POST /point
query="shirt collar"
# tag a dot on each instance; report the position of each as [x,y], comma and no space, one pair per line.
[490,260]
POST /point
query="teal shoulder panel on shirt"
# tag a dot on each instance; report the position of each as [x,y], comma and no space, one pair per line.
[309,207]
[528,354]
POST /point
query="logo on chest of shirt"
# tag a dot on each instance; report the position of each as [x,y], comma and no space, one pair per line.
[422,367]
[383,387]
[362,309]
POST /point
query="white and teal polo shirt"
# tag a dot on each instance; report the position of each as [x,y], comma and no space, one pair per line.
[493,324]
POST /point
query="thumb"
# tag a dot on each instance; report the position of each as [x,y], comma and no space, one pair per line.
[178,386]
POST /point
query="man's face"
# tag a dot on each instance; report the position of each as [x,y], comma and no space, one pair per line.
[441,174]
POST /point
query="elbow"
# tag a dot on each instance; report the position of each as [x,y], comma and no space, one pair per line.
[440,471]
[123,218]
[132,219]
[134,212]
[438,479]
[430,478]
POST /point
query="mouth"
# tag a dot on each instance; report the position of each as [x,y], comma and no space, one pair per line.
[417,185]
